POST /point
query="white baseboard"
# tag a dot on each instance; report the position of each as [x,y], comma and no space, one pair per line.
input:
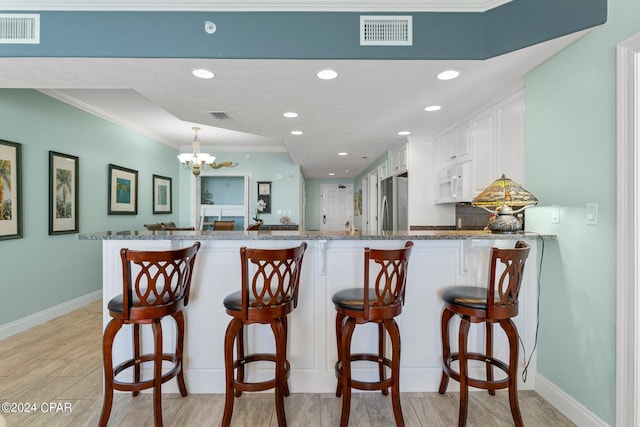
[566,404]
[35,319]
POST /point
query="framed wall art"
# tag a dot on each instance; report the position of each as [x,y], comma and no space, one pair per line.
[264,193]
[63,193]
[123,191]
[10,190]
[161,194]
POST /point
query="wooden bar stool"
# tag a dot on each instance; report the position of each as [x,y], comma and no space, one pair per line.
[155,284]
[497,303]
[267,297]
[379,301]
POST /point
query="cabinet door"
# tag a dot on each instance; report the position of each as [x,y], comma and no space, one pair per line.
[484,154]
[464,141]
[399,159]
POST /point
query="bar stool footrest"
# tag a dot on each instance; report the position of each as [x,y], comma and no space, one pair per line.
[366,385]
[476,382]
[262,385]
[146,384]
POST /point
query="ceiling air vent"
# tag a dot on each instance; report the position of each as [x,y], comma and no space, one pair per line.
[19,28]
[220,115]
[378,30]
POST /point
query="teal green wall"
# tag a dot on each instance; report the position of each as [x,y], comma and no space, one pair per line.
[40,271]
[570,160]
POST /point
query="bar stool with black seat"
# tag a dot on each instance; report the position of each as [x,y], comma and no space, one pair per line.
[267,296]
[156,284]
[379,300]
[496,303]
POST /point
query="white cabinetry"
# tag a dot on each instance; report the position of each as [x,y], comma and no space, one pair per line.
[399,160]
[454,146]
[484,148]
[510,117]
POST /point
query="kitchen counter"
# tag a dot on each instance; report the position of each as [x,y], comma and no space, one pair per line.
[311,235]
[332,262]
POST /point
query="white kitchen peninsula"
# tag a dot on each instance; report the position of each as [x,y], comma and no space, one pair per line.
[332,262]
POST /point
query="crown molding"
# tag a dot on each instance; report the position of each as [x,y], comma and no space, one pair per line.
[258,5]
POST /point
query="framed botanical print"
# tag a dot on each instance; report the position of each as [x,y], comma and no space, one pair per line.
[123,191]
[63,193]
[161,194]
[10,190]
[264,193]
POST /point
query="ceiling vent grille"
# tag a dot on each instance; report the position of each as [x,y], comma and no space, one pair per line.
[378,30]
[19,28]
[220,115]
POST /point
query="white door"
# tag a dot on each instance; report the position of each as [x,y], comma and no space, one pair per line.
[336,206]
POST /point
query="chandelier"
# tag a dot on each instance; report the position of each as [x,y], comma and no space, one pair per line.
[197,160]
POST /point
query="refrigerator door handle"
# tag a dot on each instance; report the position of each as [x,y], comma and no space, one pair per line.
[385,214]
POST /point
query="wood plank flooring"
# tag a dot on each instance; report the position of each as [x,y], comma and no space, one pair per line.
[37,366]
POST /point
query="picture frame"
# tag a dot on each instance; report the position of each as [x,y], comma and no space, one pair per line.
[162,195]
[123,191]
[264,193]
[10,190]
[64,193]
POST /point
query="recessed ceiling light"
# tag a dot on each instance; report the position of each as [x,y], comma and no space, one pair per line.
[404,132]
[296,132]
[203,74]
[342,153]
[448,74]
[432,108]
[327,74]
[331,174]
[290,114]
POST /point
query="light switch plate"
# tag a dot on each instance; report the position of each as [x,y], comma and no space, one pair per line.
[555,214]
[592,214]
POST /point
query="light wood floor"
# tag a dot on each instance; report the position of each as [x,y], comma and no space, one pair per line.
[37,366]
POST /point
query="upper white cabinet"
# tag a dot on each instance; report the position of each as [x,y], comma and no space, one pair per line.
[399,160]
[454,146]
[484,165]
[510,116]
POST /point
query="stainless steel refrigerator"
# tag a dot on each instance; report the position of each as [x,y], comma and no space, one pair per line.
[394,197]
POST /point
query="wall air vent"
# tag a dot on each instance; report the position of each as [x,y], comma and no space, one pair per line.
[379,30]
[220,115]
[19,28]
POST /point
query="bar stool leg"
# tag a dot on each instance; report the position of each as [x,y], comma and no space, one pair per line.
[179,318]
[136,355]
[285,325]
[157,372]
[107,356]
[381,354]
[239,356]
[394,334]
[489,353]
[339,321]
[512,334]
[281,386]
[233,331]
[347,334]
[446,349]
[464,388]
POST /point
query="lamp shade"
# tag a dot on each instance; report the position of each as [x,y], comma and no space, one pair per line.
[504,191]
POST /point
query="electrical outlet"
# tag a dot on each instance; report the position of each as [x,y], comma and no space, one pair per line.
[592,214]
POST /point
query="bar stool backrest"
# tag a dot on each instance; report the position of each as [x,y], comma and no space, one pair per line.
[389,284]
[273,287]
[505,280]
[156,283]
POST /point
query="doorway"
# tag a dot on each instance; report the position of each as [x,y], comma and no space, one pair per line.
[220,196]
[628,233]
[336,205]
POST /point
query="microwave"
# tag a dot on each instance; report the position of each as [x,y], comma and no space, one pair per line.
[454,184]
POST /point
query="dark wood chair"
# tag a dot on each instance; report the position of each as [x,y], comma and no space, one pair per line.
[155,285]
[168,225]
[223,225]
[153,227]
[379,300]
[254,226]
[496,303]
[268,295]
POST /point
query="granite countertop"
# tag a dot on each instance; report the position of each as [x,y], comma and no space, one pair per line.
[310,235]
